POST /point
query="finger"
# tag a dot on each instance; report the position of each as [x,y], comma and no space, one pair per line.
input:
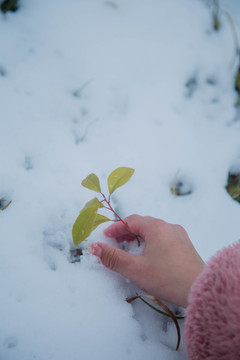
[127,237]
[118,231]
[126,264]
[140,225]
[120,234]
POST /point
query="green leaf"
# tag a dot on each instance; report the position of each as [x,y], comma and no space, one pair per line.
[94,202]
[84,223]
[118,178]
[100,219]
[92,182]
[91,203]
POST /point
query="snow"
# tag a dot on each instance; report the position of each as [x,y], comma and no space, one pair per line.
[88,86]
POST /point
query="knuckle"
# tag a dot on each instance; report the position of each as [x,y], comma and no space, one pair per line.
[161,222]
[181,231]
[110,259]
[133,218]
[179,228]
[161,225]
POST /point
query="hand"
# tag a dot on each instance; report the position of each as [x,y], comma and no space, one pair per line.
[168,265]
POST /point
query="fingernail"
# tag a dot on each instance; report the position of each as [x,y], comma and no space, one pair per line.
[95,249]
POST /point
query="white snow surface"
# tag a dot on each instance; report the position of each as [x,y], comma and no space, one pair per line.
[88,86]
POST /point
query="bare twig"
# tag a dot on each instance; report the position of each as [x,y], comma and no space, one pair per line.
[167,311]
[5,206]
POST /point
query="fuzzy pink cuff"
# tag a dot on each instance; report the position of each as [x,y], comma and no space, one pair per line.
[212,327]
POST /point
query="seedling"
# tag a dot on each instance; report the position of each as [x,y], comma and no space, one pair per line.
[180,187]
[89,218]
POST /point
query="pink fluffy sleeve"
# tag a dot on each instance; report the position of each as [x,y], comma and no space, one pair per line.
[212,327]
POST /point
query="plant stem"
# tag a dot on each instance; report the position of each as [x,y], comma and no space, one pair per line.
[119,218]
[130,300]
[5,206]
[167,312]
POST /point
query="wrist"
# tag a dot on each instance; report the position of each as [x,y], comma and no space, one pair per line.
[192,277]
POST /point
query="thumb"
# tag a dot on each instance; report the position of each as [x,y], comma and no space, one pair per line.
[120,261]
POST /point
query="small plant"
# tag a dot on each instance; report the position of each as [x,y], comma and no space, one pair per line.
[217,12]
[89,218]
[180,187]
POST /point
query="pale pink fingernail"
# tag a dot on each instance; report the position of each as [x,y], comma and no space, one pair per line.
[95,249]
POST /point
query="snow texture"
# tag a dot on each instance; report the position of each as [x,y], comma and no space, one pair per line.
[88,86]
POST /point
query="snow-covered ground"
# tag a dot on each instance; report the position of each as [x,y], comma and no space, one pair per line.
[88,86]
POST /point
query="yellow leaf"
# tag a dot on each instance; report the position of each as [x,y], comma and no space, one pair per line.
[119,177]
[84,223]
[92,182]
[100,219]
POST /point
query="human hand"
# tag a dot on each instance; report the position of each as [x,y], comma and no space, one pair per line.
[168,265]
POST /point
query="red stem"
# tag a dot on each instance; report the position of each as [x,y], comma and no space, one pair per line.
[124,222]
